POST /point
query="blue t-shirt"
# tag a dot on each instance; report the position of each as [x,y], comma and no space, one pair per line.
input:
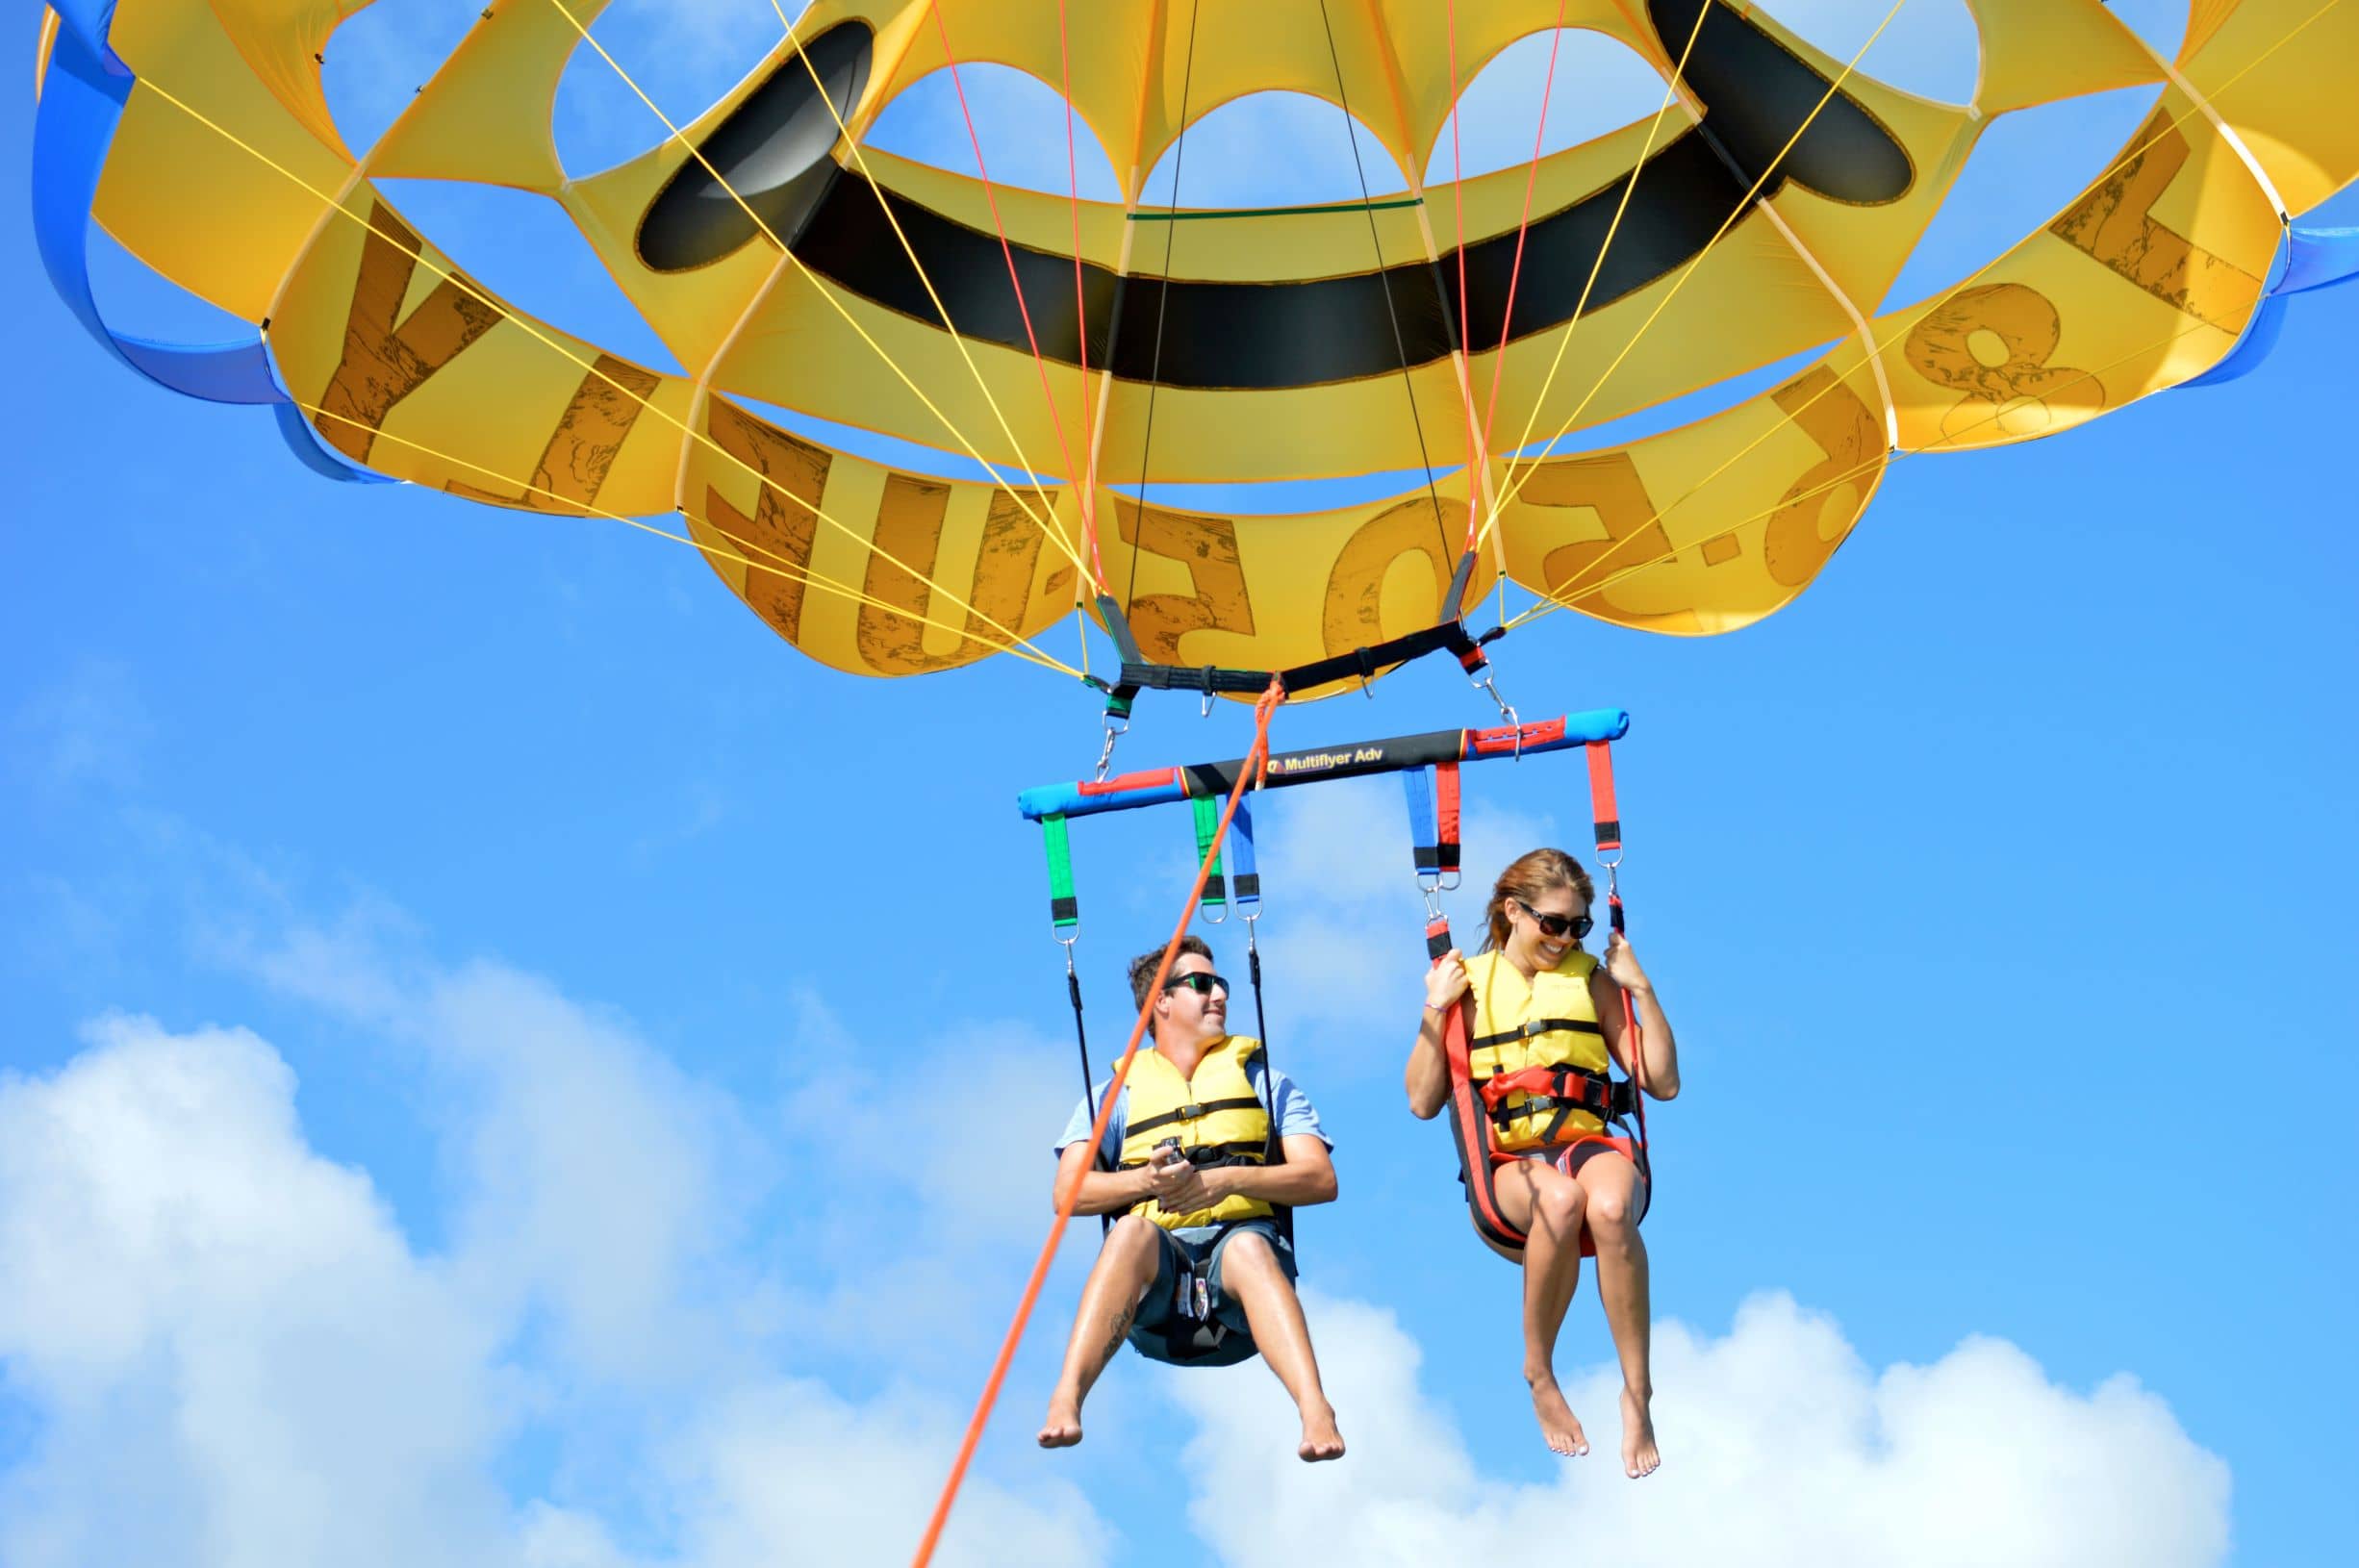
[1289,1107]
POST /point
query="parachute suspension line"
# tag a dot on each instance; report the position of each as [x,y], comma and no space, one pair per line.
[1899,334]
[1408,385]
[1154,372]
[991,196]
[1088,478]
[1686,271]
[819,286]
[1597,268]
[927,282]
[1558,595]
[591,367]
[1247,774]
[1523,227]
[1478,455]
[777,563]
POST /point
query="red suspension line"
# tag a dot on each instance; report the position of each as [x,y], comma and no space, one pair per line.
[1523,227]
[991,195]
[1080,310]
[1458,203]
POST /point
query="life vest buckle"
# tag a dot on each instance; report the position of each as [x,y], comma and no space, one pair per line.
[1189,1112]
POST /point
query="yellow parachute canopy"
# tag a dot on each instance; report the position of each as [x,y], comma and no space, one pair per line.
[1766,210]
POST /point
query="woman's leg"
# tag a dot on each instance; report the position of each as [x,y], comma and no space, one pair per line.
[1612,1200]
[1547,1207]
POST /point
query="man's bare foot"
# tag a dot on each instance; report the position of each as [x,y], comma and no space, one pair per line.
[1556,1423]
[1320,1439]
[1063,1427]
[1639,1455]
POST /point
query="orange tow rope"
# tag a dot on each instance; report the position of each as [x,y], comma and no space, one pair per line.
[1255,759]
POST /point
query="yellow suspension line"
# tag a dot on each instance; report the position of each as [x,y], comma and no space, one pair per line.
[533,330]
[1876,348]
[824,290]
[1686,272]
[1574,587]
[777,563]
[860,159]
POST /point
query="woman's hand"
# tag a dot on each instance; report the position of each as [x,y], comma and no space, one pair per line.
[1621,966]
[1446,981]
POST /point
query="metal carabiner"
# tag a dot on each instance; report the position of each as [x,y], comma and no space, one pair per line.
[1115,730]
[1507,711]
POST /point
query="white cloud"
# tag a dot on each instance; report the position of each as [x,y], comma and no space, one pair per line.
[195,1300]
[793,1463]
[211,1321]
[192,1297]
[1781,1447]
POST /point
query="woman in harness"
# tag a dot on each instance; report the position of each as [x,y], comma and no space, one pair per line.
[1547,1021]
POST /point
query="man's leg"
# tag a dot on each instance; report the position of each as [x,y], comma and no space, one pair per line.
[1251,1274]
[1611,1205]
[1546,1206]
[1126,1267]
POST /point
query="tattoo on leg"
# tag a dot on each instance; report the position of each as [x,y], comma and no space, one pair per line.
[1122,1329]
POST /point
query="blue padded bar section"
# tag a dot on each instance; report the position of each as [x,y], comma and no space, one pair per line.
[1067,800]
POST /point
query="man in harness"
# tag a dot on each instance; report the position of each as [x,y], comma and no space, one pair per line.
[1208,1151]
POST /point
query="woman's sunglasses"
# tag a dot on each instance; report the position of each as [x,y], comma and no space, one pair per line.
[1203,982]
[1556,926]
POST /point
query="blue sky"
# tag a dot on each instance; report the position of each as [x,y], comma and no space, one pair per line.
[464,985]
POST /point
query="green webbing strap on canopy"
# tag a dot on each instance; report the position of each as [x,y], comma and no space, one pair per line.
[1208,829]
[1064,909]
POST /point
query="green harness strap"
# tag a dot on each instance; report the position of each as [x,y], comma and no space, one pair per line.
[1207,829]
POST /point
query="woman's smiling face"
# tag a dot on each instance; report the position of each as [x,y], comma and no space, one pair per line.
[1532,944]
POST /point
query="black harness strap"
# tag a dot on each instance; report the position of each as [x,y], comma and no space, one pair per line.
[1190,1113]
[1534,1028]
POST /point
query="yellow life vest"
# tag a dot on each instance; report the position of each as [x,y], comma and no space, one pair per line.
[1215,1115]
[1545,1029]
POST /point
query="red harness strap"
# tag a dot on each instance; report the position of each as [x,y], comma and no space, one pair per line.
[1471,1132]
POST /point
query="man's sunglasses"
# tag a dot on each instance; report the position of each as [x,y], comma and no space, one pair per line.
[1203,982]
[1556,926]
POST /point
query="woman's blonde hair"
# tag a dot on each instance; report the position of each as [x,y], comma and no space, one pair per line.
[1528,878]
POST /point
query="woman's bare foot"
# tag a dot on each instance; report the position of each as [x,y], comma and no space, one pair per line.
[1639,1455]
[1320,1439]
[1556,1423]
[1063,1427]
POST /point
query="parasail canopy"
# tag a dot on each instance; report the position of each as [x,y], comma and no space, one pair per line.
[1472,332]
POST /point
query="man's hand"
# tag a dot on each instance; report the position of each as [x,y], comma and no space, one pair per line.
[1178,1186]
[1446,981]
